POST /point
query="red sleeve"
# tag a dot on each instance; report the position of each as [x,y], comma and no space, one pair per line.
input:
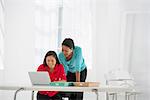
[63,75]
[41,68]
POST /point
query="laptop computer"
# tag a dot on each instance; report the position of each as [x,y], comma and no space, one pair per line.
[42,78]
[39,78]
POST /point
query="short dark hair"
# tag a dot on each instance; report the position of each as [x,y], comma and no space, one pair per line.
[69,43]
[51,53]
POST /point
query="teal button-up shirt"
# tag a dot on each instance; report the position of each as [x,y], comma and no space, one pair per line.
[76,63]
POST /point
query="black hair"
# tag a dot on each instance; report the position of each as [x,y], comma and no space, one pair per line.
[51,53]
[69,43]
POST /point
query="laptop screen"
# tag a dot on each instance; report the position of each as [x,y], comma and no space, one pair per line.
[39,78]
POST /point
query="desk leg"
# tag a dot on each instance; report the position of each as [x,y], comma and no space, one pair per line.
[32,95]
[127,96]
[17,92]
[96,92]
[116,96]
[107,96]
[134,96]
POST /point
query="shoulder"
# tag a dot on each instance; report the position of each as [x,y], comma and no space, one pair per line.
[41,67]
[60,65]
[60,54]
[77,49]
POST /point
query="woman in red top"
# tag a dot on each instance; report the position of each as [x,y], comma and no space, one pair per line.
[56,72]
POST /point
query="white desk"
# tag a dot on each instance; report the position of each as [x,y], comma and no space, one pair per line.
[105,88]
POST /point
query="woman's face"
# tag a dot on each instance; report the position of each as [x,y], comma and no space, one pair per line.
[66,50]
[51,61]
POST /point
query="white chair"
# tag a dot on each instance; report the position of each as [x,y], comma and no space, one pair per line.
[120,77]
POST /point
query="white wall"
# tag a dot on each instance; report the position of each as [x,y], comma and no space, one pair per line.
[19,44]
[107,37]
[139,58]
[112,39]
[1,77]
[108,52]
[19,39]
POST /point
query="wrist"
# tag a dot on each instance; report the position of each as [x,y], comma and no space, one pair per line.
[77,80]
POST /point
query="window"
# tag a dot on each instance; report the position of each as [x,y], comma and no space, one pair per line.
[1,51]
[46,18]
[77,24]
[1,34]
[58,19]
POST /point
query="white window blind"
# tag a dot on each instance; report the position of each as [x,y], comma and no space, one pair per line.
[58,19]
[1,33]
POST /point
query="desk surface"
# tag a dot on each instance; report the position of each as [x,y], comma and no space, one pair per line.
[104,88]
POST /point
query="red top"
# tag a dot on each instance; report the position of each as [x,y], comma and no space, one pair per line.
[58,74]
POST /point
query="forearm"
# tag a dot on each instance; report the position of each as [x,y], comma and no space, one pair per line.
[77,76]
[60,81]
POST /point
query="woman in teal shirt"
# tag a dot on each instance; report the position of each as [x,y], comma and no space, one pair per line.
[75,68]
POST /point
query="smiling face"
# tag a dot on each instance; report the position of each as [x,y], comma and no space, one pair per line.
[50,61]
[66,50]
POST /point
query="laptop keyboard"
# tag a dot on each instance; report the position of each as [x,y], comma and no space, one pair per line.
[61,84]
